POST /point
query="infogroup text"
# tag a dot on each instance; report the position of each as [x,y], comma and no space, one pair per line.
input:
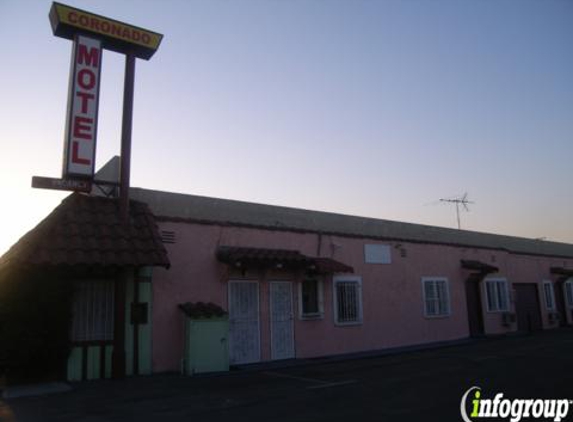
[514,409]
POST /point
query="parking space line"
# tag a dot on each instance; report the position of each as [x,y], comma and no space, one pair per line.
[318,383]
[331,384]
[312,380]
[482,358]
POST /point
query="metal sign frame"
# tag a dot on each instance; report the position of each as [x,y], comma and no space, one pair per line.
[117,36]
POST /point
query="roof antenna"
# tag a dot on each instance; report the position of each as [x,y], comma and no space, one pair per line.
[460,200]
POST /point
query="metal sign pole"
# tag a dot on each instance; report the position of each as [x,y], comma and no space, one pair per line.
[126,126]
[118,370]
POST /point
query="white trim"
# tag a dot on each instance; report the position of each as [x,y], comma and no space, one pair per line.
[497,308]
[311,316]
[348,279]
[549,299]
[447,299]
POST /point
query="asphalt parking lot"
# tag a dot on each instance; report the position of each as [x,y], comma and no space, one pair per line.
[425,385]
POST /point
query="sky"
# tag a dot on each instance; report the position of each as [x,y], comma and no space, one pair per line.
[376,108]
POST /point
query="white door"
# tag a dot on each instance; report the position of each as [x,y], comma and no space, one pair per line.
[282,333]
[244,332]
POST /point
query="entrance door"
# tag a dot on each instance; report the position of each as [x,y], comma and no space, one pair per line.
[527,307]
[282,333]
[560,303]
[244,331]
[473,298]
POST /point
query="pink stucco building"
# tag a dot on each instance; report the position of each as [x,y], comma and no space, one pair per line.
[296,284]
[303,284]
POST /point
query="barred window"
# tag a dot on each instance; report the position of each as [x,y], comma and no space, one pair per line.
[311,299]
[93,311]
[569,292]
[549,295]
[347,300]
[436,297]
[497,295]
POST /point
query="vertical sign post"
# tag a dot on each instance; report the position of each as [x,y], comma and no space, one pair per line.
[118,357]
[126,126]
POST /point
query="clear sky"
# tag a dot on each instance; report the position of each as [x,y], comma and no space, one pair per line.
[376,108]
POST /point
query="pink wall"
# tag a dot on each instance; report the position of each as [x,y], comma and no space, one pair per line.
[392,294]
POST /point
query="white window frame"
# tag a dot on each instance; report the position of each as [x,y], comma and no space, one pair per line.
[497,282]
[568,292]
[320,293]
[443,305]
[549,295]
[337,280]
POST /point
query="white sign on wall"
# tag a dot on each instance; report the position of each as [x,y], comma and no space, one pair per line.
[83,99]
[377,254]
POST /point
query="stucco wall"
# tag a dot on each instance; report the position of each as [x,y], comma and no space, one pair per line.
[392,294]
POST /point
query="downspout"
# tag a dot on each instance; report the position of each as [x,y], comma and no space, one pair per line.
[135,322]
[118,355]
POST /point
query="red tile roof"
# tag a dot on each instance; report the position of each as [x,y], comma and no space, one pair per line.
[200,310]
[470,264]
[566,272]
[87,231]
[329,266]
[285,258]
[238,256]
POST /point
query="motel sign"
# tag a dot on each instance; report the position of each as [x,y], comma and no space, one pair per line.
[91,34]
[83,100]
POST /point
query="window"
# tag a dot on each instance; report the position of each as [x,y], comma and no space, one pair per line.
[549,295]
[311,299]
[347,300]
[93,311]
[497,295]
[569,292]
[436,297]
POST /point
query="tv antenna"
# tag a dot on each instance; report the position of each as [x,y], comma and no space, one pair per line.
[461,200]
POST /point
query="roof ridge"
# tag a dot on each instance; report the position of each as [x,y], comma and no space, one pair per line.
[209,210]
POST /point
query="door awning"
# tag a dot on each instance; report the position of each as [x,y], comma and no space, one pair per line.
[468,264]
[561,271]
[330,266]
[244,257]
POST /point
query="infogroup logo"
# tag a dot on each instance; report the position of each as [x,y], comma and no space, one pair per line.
[513,409]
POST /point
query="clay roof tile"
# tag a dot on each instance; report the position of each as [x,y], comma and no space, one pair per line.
[87,230]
